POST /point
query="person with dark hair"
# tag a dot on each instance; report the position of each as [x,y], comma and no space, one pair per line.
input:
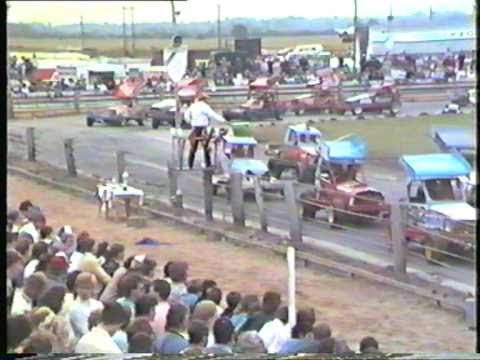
[148,267]
[161,287]
[85,245]
[120,336]
[223,333]
[368,345]
[194,290]
[197,335]
[249,305]
[271,302]
[22,245]
[114,258]
[15,269]
[102,249]
[207,284]
[18,329]
[39,342]
[84,304]
[130,289]
[178,275]
[139,325]
[233,299]
[140,343]
[166,271]
[36,221]
[24,207]
[47,235]
[132,263]
[53,298]
[321,332]
[174,340]
[25,298]
[38,249]
[99,339]
[215,294]
[277,331]
[300,341]
[145,307]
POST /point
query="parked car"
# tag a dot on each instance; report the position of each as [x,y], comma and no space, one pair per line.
[438,215]
[460,141]
[298,153]
[262,103]
[340,184]
[237,154]
[118,115]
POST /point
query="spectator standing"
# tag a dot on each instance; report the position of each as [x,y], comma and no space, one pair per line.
[194,291]
[233,299]
[130,289]
[197,335]
[271,302]
[99,338]
[368,345]
[206,311]
[84,304]
[25,298]
[114,258]
[250,342]
[276,332]
[223,333]
[162,289]
[15,267]
[249,305]
[18,329]
[175,338]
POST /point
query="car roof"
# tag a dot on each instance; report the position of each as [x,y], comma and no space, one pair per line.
[352,150]
[435,166]
[304,129]
[454,138]
[240,140]
[358,97]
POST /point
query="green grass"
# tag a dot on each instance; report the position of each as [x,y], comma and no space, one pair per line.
[386,138]
[114,46]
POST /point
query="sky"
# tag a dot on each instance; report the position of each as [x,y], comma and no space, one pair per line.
[69,12]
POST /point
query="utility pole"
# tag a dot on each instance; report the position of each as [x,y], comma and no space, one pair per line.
[133,31]
[219,34]
[82,34]
[124,32]
[431,13]
[355,18]
[174,15]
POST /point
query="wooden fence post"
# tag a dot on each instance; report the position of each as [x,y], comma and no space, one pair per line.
[31,151]
[398,218]
[176,198]
[238,209]
[72,171]
[293,215]
[208,193]
[261,207]
[121,164]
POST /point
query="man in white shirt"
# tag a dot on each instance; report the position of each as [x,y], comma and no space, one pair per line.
[99,338]
[36,222]
[200,115]
[276,332]
[24,298]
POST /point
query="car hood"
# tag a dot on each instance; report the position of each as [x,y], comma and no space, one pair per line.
[311,149]
[354,187]
[243,166]
[235,110]
[455,210]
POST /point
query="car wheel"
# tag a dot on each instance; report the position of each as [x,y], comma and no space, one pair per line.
[155,124]
[331,216]
[140,122]
[308,176]
[90,122]
[395,109]
[215,190]
[431,255]
[357,110]
[308,212]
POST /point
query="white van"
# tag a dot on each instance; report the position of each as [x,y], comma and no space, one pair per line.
[307,50]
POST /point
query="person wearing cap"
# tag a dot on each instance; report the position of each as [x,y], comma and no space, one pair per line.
[200,115]
[56,272]
[84,303]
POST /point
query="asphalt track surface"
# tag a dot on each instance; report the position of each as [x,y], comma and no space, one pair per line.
[148,153]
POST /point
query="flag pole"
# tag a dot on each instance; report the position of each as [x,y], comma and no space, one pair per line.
[292,314]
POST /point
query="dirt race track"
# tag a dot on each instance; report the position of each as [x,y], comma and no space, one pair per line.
[354,308]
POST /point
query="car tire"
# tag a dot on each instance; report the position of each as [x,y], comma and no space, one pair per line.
[357,110]
[155,124]
[89,122]
[308,176]
[308,211]
[140,123]
[214,190]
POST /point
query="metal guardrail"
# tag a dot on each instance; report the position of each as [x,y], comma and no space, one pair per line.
[232,91]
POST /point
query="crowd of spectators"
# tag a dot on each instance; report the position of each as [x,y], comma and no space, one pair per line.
[67,292]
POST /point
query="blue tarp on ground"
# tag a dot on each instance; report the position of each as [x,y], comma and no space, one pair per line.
[435,166]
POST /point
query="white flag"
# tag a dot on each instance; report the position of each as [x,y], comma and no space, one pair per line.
[175,60]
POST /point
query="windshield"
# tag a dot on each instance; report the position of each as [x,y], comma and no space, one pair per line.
[444,190]
[345,173]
